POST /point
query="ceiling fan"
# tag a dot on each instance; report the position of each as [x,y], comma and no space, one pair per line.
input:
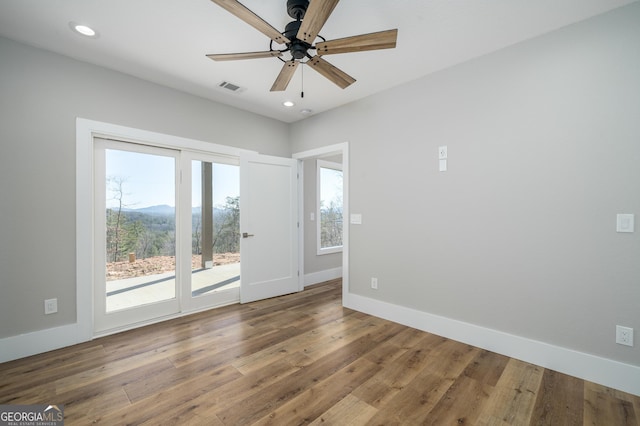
[299,39]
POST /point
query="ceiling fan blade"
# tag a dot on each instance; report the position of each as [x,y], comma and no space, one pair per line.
[339,77]
[314,18]
[248,55]
[286,73]
[373,41]
[238,9]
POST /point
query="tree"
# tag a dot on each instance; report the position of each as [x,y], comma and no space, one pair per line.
[145,243]
[227,227]
[115,217]
[331,224]
[132,233]
[196,237]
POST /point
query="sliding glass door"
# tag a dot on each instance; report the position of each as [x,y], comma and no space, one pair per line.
[136,228]
[167,233]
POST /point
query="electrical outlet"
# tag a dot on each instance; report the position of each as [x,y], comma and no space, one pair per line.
[624,335]
[374,283]
[50,306]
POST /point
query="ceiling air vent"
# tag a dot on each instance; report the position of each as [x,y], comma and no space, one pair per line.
[232,87]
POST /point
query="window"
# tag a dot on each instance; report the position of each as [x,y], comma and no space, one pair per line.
[329,207]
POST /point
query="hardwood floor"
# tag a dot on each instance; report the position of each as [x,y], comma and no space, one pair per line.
[301,359]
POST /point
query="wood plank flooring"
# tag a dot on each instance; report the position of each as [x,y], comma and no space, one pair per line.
[301,359]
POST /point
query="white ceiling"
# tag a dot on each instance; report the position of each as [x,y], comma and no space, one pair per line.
[165,41]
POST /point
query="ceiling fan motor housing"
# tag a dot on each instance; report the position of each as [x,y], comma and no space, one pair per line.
[297,8]
[297,47]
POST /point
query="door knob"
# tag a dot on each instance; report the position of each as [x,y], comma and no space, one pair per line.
[246,235]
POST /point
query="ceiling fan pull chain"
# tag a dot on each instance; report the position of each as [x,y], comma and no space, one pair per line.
[302,79]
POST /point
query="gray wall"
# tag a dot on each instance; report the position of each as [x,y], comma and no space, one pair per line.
[313,262]
[41,94]
[519,235]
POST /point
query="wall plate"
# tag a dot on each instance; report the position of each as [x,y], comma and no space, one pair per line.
[625,223]
[442,152]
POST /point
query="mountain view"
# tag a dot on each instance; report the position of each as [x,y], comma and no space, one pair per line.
[150,232]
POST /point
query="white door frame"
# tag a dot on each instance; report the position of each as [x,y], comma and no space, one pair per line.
[327,151]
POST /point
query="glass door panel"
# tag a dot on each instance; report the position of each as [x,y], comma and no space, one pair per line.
[215,227]
[136,234]
[141,229]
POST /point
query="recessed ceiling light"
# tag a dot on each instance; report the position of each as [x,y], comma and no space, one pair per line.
[83,30]
[306,111]
[288,104]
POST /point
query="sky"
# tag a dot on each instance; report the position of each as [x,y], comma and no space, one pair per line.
[148,180]
[226,183]
[331,188]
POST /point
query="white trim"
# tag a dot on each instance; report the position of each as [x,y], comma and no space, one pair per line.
[36,342]
[614,374]
[322,276]
[87,129]
[300,223]
[323,151]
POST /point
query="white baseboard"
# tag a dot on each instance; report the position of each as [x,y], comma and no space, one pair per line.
[614,374]
[41,341]
[24,345]
[322,276]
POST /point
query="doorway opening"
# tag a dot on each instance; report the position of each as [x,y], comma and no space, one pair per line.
[323,262]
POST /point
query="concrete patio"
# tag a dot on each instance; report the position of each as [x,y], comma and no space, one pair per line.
[130,292]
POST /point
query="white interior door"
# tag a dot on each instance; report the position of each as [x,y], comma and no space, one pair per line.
[269,227]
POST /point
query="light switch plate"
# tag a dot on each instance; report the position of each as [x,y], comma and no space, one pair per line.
[442,152]
[50,306]
[625,223]
[443,165]
[356,218]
